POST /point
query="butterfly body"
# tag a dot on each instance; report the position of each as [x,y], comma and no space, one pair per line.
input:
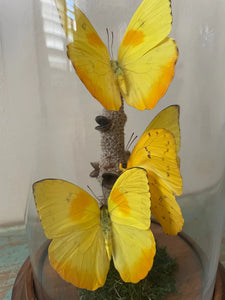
[107,230]
[146,56]
[120,77]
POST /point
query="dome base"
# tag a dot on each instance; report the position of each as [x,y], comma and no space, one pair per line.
[181,247]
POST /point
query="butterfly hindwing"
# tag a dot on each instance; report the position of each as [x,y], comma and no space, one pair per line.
[133,252]
[80,258]
[148,76]
[133,245]
[71,217]
[164,206]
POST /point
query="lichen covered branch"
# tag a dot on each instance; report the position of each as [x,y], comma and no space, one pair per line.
[111,127]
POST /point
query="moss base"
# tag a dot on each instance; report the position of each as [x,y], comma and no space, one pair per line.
[159,282]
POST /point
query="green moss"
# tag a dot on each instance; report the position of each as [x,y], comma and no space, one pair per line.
[159,282]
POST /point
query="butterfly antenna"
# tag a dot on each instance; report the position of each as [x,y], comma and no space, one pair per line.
[131,141]
[107,31]
[112,44]
[90,189]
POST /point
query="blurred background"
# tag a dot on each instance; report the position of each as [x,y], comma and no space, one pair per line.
[18,107]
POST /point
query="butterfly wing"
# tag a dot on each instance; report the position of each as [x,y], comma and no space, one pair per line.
[133,245]
[168,119]
[66,21]
[71,217]
[147,55]
[156,152]
[80,258]
[133,252]
[89,57]
[164,206]
[149,26]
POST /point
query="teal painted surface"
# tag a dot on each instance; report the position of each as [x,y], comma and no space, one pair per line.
[8,295]
[13,253]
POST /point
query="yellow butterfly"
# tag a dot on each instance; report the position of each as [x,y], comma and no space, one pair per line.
[156,152]
[85,237]
[146,57]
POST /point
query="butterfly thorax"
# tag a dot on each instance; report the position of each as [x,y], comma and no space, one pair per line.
[118,71]
[107,230]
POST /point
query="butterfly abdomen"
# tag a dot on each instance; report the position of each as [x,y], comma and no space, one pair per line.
[118,71]
[107,230]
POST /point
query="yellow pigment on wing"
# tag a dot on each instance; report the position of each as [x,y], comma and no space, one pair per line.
[141,269]
[97,92]
[78,277]
[78,205]
[94,39]
[159,88]
[121,200]
[133,38]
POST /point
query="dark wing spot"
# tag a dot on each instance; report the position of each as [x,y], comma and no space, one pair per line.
[84,26]
[148,152]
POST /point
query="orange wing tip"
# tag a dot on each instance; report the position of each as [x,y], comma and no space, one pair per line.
[96,93]
[80,279]
[174,229]
[141,266]
[160,86]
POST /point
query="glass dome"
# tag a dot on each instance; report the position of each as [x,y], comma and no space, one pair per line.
[69,147]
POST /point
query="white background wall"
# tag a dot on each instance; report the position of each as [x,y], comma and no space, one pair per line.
[18,107]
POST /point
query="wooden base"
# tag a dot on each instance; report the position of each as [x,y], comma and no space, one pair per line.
[188,276]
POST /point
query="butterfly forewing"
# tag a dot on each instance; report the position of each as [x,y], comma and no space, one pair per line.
[149,76]
[64,207]
[168,119]
[129,201]
[156,152]
[150,25]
